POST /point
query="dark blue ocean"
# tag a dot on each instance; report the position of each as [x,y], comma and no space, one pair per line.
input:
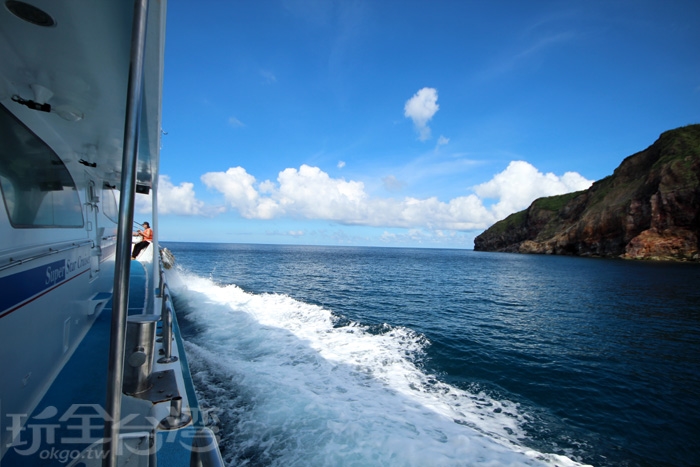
[310,355]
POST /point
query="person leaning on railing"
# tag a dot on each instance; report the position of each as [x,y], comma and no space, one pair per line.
[146,239]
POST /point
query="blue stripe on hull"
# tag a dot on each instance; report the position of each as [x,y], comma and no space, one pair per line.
[24,285]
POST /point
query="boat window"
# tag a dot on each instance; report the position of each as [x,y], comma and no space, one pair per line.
[37,189]
[109,204]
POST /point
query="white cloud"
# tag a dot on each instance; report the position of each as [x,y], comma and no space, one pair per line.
[268,76]
[420,108]
[442,141]
[310,193]
[179,200]
[424,236]
[313,194]
[305,193]
[521,183]
[391,183]
[237,187]
[341,164]
[234,122]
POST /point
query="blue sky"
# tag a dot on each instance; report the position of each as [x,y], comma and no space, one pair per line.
[407,123]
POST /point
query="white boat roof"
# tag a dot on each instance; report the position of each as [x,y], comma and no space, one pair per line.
[80,65]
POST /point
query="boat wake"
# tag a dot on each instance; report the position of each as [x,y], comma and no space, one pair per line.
[290,383]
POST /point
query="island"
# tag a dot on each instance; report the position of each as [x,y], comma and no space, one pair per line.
[649,208]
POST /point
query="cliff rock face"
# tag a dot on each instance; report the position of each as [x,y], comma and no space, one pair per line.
[649,208]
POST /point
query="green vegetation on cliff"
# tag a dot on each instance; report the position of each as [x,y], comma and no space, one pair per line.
[554,203]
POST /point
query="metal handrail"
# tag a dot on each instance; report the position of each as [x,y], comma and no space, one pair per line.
[52,251]
[166,316]
[126,218]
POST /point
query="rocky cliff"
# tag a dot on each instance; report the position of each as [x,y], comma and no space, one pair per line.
[649,208]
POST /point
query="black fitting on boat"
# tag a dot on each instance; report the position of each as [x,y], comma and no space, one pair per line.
[32,104]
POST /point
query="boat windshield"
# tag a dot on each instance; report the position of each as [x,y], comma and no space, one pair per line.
[37,188]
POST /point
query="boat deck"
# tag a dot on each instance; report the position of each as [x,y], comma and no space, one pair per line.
[70,417]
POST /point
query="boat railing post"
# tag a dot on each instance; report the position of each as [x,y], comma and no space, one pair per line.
[177,418]
[126,216]
[205,450]
[159,289]
[161,280]
[166,316]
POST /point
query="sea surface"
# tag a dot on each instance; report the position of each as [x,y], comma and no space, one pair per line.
[330,356]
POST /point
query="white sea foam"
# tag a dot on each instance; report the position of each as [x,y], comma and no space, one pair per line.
[292,389]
